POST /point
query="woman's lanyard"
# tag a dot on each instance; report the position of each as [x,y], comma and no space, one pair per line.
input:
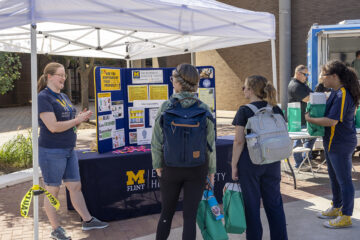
[63,103]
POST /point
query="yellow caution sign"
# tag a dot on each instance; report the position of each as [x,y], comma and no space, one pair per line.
[26,201]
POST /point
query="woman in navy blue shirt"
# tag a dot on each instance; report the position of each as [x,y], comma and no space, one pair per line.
[57,158]
[258,181]
[339,140]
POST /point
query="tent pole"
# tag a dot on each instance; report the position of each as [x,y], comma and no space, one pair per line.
[193,59]
[273,55]
[34,120]
[284,50]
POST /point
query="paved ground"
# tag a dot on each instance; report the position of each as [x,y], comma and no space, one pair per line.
[300,204]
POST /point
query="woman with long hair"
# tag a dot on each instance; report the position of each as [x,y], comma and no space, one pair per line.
[258,181]
[339,139]
[57,158]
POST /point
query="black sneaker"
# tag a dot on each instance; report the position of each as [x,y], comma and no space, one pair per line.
[59,234]
[94,224]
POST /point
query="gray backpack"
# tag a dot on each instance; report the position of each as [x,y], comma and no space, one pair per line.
[269,139]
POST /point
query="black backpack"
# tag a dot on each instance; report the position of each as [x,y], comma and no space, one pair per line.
[185,135]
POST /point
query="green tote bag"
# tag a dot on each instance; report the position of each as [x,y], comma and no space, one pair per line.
[315,111]
[234,212]
[211,229]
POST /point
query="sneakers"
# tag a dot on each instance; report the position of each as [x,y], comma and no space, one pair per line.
[329,213]
[94,224]
[342,221]
[59,234]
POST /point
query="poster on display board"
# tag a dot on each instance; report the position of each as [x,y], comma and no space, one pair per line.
[128,101]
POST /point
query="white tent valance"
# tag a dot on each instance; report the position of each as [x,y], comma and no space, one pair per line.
[129,29]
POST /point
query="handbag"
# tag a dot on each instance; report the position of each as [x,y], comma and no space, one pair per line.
[210,228]
[234,212]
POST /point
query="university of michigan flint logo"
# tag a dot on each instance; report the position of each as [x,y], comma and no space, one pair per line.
[136,74]
[136,181]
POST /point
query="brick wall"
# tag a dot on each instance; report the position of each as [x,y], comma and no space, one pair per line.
[233,65]
[306,13]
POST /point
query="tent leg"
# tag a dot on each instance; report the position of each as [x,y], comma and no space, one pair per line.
[34,120]
[273,56]
[193,58]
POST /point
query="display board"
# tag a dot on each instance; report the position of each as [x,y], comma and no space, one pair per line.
[127,101]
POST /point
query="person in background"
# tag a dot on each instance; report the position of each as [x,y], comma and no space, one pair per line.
[298,91]
[185,80]
[339,140]
[57,158]
[356,64]
[258,181]
[320,86]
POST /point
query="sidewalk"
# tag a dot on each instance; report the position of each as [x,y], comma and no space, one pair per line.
[304,226]
[301,204]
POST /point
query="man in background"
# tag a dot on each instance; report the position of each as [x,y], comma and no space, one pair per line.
[299,91]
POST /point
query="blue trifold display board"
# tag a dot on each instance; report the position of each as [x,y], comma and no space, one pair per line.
[127,102]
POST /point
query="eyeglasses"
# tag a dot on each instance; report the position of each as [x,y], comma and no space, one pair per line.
[305,74]
[61,75]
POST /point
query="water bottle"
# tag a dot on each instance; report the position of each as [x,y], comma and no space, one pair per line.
[215,209]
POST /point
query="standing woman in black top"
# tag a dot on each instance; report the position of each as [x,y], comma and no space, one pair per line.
[258,181]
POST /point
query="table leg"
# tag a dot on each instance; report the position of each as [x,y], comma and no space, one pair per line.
[292,171]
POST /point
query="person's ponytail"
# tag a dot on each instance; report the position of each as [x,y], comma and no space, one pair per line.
[42,82]
[270,93]
[351,83]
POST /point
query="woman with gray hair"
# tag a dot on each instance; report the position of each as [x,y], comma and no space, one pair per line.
[185,79]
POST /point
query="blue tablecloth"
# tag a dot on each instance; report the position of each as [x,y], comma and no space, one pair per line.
[120,186]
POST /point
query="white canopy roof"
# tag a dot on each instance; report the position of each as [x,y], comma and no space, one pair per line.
[129,29]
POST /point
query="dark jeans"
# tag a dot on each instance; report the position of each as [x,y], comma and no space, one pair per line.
[262,182]
[339,164]
[173,179]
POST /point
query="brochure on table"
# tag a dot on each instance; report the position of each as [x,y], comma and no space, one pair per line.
[127,102]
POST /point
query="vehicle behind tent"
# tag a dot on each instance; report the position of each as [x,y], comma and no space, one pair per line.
[331,42]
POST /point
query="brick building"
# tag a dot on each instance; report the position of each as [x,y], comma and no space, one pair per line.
[233,65]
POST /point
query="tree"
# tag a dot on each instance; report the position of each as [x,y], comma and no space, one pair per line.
[84,70]
[10,66]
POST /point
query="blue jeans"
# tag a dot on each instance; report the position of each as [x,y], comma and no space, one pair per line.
[339,164]
[58,164]
[299,157]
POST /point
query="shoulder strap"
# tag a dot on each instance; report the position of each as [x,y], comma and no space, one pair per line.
[252,107]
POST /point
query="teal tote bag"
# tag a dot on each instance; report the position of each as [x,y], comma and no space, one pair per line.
[234,209]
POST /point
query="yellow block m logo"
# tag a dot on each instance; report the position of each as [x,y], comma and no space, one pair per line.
[136,74]
[132,178]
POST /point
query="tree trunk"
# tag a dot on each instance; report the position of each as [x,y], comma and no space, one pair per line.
[68,80]
[84,71]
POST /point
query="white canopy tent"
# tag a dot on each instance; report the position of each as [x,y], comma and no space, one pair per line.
[124,29]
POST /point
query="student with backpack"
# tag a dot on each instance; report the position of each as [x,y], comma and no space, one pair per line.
[183,151]
[261,180]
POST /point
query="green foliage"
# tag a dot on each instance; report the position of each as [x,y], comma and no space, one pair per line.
[17,152]
[10,66]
